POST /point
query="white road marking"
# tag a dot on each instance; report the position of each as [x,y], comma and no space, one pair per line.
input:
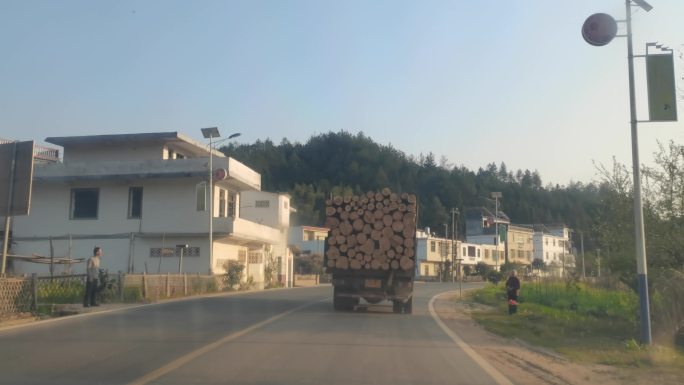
[495,374]
[177,363]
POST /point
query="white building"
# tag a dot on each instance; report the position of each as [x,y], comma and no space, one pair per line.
[140,195]
[272,210]
[433,252]
[308,239]
[552,245]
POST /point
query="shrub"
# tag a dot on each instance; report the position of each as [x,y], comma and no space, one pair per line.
[247,284]
[494,276]
[235,271]
[132,294]
[61,291]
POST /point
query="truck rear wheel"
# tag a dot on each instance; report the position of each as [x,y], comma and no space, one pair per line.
[341,303]
[408,306]
[397,306]
[338,301]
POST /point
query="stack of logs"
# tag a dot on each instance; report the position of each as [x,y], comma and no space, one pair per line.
[371,231]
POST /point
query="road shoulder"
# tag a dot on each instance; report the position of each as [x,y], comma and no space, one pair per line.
[520,362]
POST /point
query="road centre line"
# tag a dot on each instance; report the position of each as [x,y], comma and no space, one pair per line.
[179,362]
[495,374]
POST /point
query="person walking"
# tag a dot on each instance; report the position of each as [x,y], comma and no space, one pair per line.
[92,278]
[512,292]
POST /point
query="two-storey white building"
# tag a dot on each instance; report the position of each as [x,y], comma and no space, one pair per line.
[433,253]
[139,196]
[552,245]
[308,239]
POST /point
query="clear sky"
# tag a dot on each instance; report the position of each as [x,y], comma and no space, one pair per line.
[477,81]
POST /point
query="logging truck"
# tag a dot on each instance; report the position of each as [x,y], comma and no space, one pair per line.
[370,249]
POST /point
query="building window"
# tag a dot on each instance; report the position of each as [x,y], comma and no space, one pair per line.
[427,270]
[263,204]
[486,253]
[255,258]
[135,195]
[201,192]
[554,242]
[471,251]
[432,246]
[222,203]
[174,252]
[231,204]
[444,248]
[84,203]
[478,253]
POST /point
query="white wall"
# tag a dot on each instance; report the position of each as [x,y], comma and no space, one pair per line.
[98,153]
[277,214]
[169,205]
[548,252]
[224,252]
[484,239]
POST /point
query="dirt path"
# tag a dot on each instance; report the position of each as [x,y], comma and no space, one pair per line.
[525,364]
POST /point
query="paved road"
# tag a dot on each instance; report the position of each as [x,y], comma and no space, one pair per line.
[272,337]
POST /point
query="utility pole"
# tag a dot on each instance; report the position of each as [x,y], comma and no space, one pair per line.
[584,274]
[445,252]
[453,237]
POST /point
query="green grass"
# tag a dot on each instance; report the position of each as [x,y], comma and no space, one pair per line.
[132,294]
[585,324]
[61,293]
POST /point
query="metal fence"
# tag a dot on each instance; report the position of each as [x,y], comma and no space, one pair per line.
[27,294]
[60,289]
[16,296]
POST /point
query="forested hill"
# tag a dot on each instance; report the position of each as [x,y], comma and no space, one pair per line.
[342,163]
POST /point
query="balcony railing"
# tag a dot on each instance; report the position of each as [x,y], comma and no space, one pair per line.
[39,152]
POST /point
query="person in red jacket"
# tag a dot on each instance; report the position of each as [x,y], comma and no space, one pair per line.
[512,292]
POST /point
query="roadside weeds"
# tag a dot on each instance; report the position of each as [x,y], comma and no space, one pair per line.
[525,363]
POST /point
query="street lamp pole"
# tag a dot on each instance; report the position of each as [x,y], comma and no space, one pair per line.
[599,29]
[638,205]
[496,195]
[211,133]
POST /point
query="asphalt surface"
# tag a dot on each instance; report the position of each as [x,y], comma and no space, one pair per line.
[288,336]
